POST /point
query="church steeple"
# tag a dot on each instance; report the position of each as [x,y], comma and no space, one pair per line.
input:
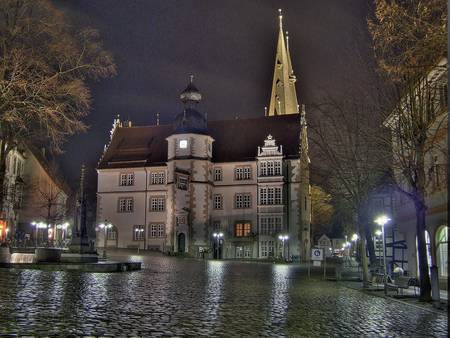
[284,97]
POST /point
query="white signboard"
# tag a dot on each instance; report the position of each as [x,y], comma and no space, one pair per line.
[317,254]
[316,263]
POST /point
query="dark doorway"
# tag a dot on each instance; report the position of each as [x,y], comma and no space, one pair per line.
[217,249]
[181,242]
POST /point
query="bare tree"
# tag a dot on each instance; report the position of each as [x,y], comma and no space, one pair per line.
[416,122]
[409,39]
[344,137]
[46,201]
[44,66]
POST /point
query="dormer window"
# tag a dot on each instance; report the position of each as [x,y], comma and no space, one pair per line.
[183,144]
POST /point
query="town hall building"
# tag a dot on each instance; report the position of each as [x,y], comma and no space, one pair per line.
[237,188]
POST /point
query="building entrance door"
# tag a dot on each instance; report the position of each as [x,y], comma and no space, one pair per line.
[181,242]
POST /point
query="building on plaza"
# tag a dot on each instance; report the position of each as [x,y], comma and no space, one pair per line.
[173,187]
[402,229]
[33,193]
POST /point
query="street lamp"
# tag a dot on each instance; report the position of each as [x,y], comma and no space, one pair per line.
[105,226]
[217,236]
[139,232]
[382,220]
[283,238]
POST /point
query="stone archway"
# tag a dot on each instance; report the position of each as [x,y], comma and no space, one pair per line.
[181,242]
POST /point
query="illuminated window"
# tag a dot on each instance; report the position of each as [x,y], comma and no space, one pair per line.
[157,203]
[125,204]
[183,144]
[242,201]
[126,179]
[242,229]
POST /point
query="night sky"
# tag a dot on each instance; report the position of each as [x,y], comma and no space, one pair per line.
[230,48]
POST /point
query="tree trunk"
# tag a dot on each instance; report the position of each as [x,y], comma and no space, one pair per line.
[362,249]
[3,155]
[419,203]
[370,244]
[425,283]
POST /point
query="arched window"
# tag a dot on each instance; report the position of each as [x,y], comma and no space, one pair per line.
[442,250]
[111,233]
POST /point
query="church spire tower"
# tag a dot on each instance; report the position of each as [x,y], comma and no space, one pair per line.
[283,99]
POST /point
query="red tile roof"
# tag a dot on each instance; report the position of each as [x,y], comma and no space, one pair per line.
[235,140]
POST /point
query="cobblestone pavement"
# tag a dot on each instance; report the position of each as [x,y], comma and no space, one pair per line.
[177,297]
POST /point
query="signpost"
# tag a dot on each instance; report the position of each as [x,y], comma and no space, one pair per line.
[317,257]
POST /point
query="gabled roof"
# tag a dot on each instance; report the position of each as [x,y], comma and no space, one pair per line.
[234,141]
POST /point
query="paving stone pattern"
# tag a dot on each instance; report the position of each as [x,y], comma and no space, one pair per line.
[179,297]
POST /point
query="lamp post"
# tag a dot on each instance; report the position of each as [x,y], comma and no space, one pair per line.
[35,233]
[139,231]
[378,234]
[105,226]
[355,239]
[61,234]
[217,236]
[283,238]
[382,220]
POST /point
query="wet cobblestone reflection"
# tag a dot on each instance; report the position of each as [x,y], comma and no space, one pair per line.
[173,296]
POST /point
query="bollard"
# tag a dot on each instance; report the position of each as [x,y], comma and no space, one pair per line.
[435,295]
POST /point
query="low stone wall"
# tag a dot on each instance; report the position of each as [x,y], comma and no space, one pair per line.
[47,255]
[5,255]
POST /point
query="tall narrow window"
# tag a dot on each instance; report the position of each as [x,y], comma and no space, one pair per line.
[218,201]
[217,174]
[138,233]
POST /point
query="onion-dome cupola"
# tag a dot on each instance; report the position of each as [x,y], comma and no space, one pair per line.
[191,95]
[190,120]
